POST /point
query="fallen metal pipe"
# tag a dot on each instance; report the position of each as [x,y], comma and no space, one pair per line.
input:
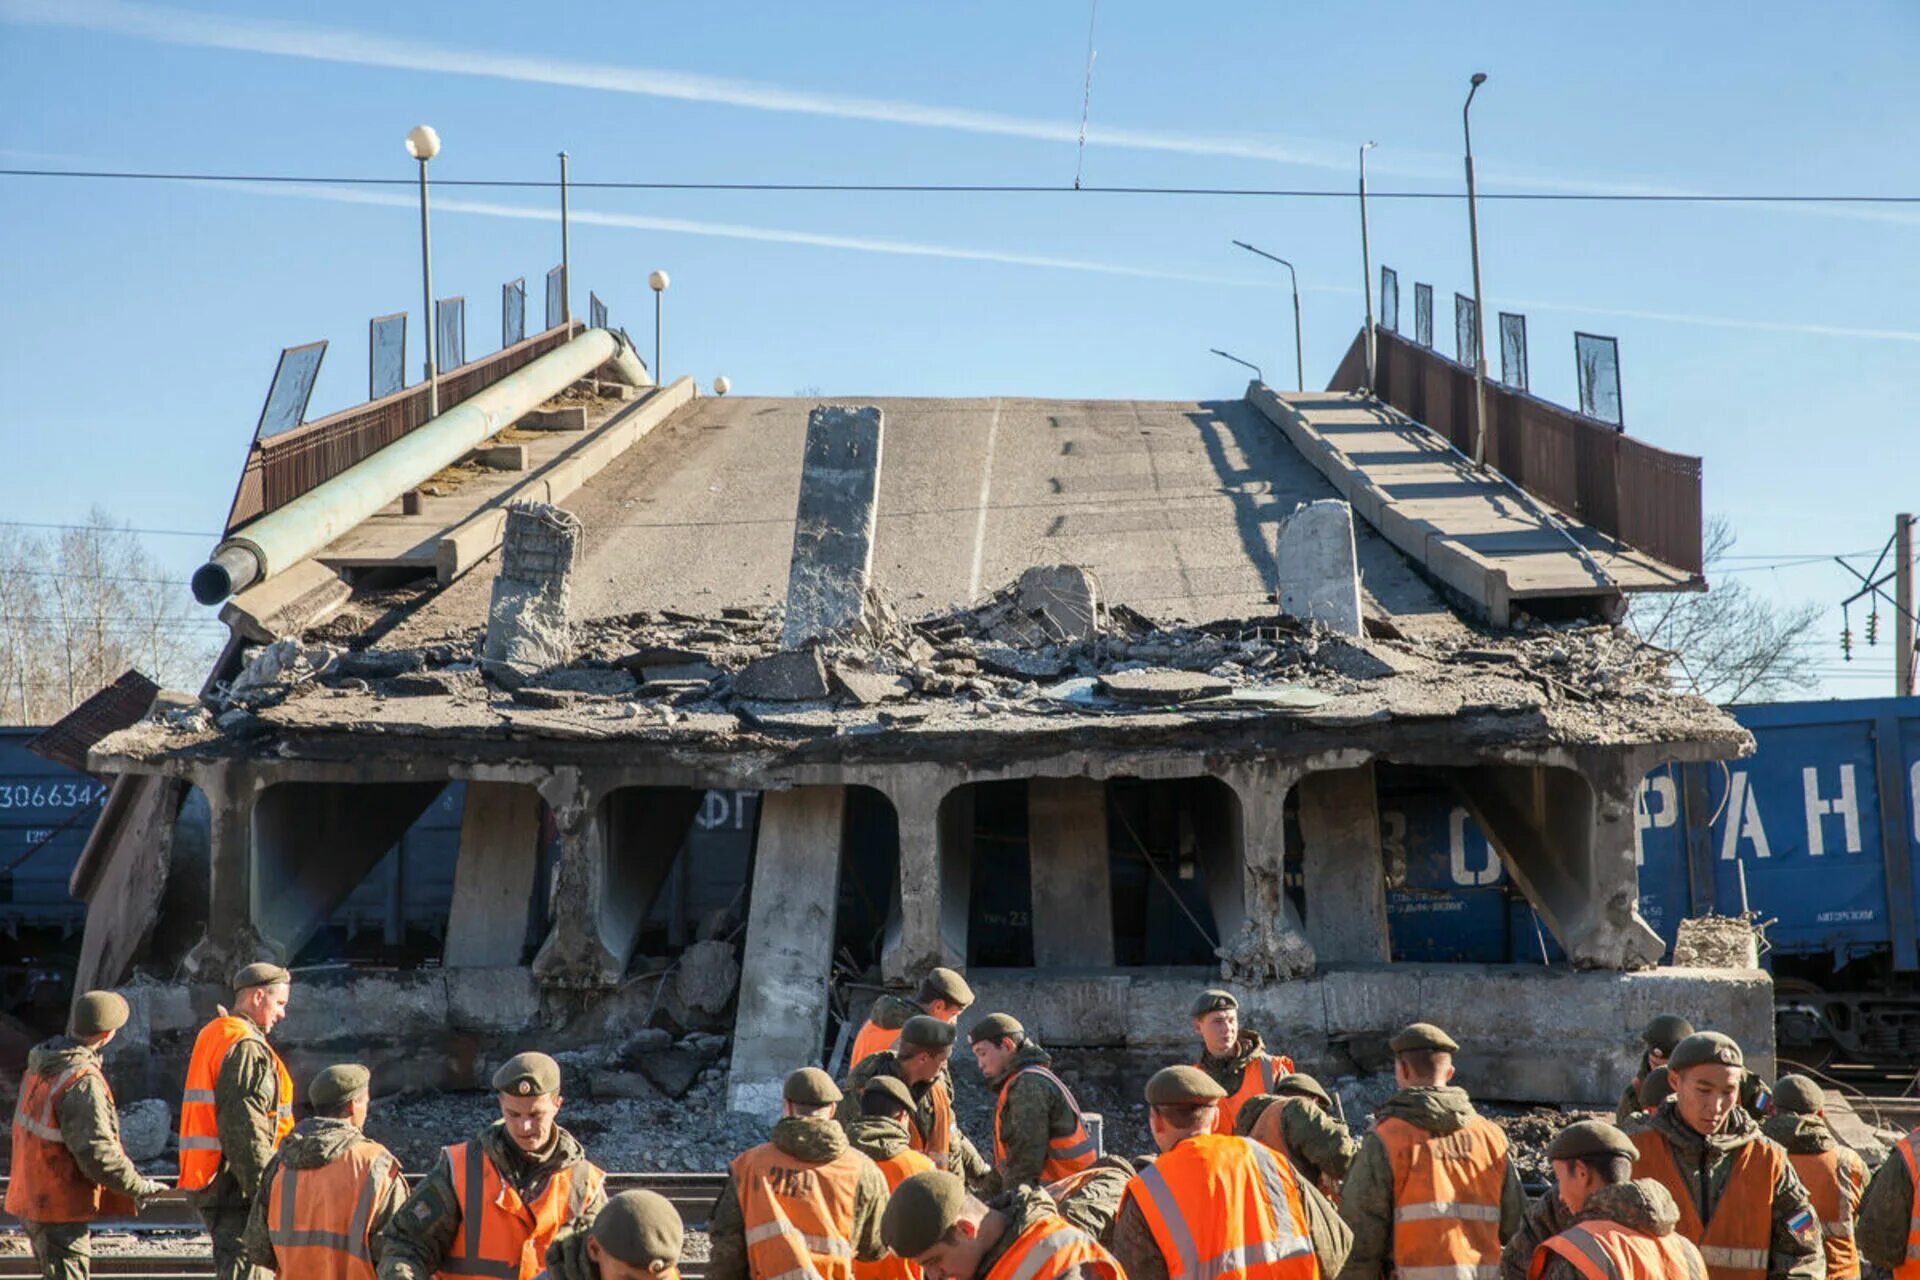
[282,538]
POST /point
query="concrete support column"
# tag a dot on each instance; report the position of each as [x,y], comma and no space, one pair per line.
[1072,883]
[1270,945]
[916,939]
[573,953]
[782,1016]
[493,878]
[1345,871]
[230,790]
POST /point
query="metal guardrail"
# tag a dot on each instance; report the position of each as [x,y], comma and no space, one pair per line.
[282,467]
[1646,497]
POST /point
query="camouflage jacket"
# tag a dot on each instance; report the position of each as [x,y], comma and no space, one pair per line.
[812,1141]
[1022,1207]
[1705,1164]
[246,1115]
[1547,1218]
[89,1125]
[1030,1113]
[963,1158]
[315,1143]
[1885,1212]
[1317,1144]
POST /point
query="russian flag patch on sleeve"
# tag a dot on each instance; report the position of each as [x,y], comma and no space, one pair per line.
[1801,1223]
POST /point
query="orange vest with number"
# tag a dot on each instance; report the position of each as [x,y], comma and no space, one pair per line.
[47,1185]
[1603,1250]
[1909,1149]
[318,1219]
[1065,1155]
[1049,1248]
[798,1214]
[1446,1196]
[1834,1186]
[1221,1206]
[1736,1243]
[897,1169]
[501,1236]
[1259,1076]
[199,1131]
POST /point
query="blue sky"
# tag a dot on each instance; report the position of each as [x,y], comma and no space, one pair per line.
[1778,342]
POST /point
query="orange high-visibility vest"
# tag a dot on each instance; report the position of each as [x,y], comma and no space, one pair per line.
[1909,1149]
[798,1214]
[47,1185]
[1267,1131]
[1065,1155]
[1603,1250]
[1446,1199]
[1259,1076]
[937,1143]
[501,1236]
[318,1219]
[897,1169]
[873,1039]
[1049,1248]
[1736,1243]
[199,1131]
[1221,1206]
[1834,1186]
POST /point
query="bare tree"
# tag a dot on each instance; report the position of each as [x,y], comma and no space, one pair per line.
[1734,644]
[79,608]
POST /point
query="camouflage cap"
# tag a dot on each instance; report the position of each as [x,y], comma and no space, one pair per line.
[997,1026]
[922,1032]
[1422,1035]
[1301,1085]
[1212,1000]
[948,985]
[1666,1031]
[640,1227]
[98,1012]
[1182,1087]
[1657,1087]
[260,975]
[921,1210]
[337,1084]
[1797,1095]
[1591,1139]
[1705,1048]
[810,1087]
[892,1086]
[527,1075]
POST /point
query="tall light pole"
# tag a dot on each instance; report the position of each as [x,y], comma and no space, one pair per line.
[1299,362]
[1366,261]
[1479,306]
[658,282]
[1246,364]
[423,144]
[566,257]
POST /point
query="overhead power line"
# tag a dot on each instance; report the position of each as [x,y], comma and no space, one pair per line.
[105,528]
[991,188]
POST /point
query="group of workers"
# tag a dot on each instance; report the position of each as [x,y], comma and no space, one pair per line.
[1705,1175]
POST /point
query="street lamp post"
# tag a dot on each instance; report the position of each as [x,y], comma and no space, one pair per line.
[1247,364]
[658,282]
[1366,261]
[1299,361]
[1479,307]
[423,144]
[566,256]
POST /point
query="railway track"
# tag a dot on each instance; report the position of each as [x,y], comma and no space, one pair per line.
[693,1194]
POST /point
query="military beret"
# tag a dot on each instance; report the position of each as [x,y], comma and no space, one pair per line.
[1421,1035]
[1212,1001]
[921,1210]
[810,1087]
[1705,1048]
[527,1075]
[893,1086]
[945,984]
[639,1227]
[1301,1085]
[997,1026]
[97,1012]
[260,975]
[1666,1031]
[1589,1139]
[922,1032]
[1182,1087]
[338,1084]
[1797,1095]
[1656,1088]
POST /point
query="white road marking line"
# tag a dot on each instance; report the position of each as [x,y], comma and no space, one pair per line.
[980,525]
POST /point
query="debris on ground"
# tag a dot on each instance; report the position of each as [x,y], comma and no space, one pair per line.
[1717,942]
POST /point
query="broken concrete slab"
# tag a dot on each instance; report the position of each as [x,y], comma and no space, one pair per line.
[623,1084]
[1716,942]
[1065,595]
[145,1127]
[566,417]
[374,664]
[792,675]
[833,528]
[595,682]
[1160,685]
[443,682]
[528,629]
[673,1071]
[869,688]
[1021,664]
[1319,580]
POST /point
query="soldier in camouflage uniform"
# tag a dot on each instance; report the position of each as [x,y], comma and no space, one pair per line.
[1592,1165]
[920,1061]
[1298,1122]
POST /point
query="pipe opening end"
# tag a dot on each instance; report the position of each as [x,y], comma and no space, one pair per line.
[212,583]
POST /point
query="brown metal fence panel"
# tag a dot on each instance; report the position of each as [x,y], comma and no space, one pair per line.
[283,467]
[1646,497]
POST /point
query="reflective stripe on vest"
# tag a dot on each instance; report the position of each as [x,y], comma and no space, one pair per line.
[797,1214]
[1448,1271]
[1447,1193]
[1446,1209]
[199,1126]
[1257,1078]
[1049,1248]
[1607,1250]
[1224,1177]
[1066,1155]
[502,1237]
[47,1184]
[304,1208]
[1736,1242]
